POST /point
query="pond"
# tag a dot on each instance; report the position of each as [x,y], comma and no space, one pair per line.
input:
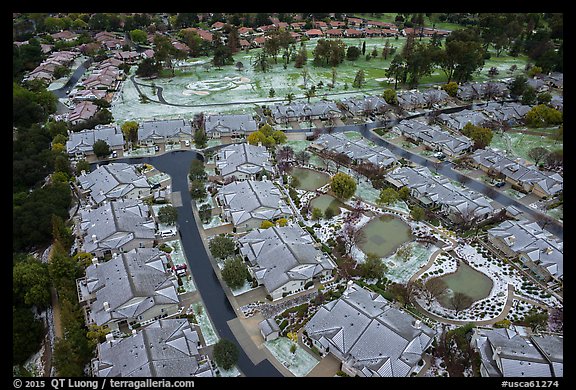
[309,179]
[384,234]
[466,280]
[326,201]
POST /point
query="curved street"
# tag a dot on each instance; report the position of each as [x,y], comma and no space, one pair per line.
[176,164]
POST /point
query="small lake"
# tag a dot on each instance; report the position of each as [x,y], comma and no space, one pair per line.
[326,201]
[468,281]
[310,180]
[384,234]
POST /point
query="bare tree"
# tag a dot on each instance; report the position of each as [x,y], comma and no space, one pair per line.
[538,154]
[459,302]
[351,235]
[435,287]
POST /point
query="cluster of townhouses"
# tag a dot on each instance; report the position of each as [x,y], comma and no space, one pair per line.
[130,287]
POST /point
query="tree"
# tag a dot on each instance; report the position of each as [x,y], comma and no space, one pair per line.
[260,62]
[225,354]
[352,53]
[351,235]
[459,301]
[168,215]
[266,224]
[482,136]
[205,212]
[538,154]
[463,55]
[451,88]
[101,148]
[197,171]
[435,287]
[221,247]
[138,36]
[200,138]
[404,193]
[197,190]
[536,319]
[31,283]
[528,96]
[310,93]
[373,267]
[390,97]
[417,213]
[518,85]
[82,165]
[130,131]
[27,334]
[316,214]
[302,157]
[387,196]
[543,116]
[148,67]
[359,79]
[343,185]
[329,52]
[285,154]
[555,158]
[235,272]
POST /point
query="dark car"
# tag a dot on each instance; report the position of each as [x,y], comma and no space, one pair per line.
[500,184]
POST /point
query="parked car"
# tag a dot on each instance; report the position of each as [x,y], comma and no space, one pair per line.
[156,148]
[499,184]
[187,143]
[167,233]
[440,155]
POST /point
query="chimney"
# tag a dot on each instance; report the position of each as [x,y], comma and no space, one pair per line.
[133,332]
[94,238]
[109,337]
[417,324]
[95,261]
[106,306]
[497,353]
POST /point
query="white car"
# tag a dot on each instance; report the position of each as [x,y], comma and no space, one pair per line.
[187,143]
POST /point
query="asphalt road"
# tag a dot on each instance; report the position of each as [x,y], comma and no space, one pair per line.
[177,165]
[61,92]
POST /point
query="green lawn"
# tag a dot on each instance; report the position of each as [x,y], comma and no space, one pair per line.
[519,144]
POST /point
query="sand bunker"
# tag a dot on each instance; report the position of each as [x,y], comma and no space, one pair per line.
[204,87]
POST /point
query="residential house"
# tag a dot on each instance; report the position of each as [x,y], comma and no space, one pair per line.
[65,35]
[433,137]
[101,81]
[231,125]
[410,100]
[248,203]
[320,25]
[482,90]
[127,57]
[285,260]
[269,329]
[365,105]
[243,161]
[369,335]
[132,287]
[82,112]
[116,227]
[527,178]
[508,353]
[245,32]
[87,94]
[115,181]
[357,150]
[81,144]
[353,33]
[162,132]
[458,120]
[536,248]
[165,348]
[334,33]
[355,22]
[296,111]
[459,204]
[314,33]
[205,35]
[337,24]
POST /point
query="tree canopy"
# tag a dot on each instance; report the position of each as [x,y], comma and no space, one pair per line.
[343,185]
